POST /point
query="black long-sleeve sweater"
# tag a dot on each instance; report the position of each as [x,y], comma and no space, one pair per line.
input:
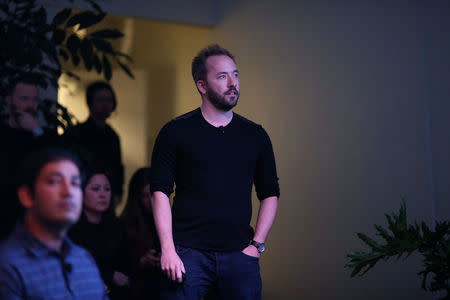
[214,170]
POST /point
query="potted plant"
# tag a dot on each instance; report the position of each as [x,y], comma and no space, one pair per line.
[403,239]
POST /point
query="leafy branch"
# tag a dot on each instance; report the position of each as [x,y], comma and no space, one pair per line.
[37,48]
[403,239]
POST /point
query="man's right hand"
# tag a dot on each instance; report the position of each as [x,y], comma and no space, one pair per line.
[172,265]
[27,121]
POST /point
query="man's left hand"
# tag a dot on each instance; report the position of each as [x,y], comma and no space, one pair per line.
[251,251]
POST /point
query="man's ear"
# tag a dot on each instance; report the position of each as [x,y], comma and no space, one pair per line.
[25,196]
[201,86]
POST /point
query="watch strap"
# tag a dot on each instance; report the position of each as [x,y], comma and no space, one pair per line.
[259,246]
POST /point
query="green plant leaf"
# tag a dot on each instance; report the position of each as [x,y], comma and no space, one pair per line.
[374,245]
[103,45]
[434,246]
[73,75]
[97,64]
[63,54]
[73,44]
[107,34]
[40,16]
[4,7]
[61,16]
[85,19]
[58,36]
[86,53]
[126,69]
[383,233]
[34,57]
[55,72]
[126,56]
[75,60]
[94,5]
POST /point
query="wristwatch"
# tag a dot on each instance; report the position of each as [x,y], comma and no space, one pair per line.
[260,246]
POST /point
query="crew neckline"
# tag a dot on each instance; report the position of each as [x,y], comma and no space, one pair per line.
[211,125]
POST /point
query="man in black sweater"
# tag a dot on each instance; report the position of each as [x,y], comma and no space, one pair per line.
[214,156]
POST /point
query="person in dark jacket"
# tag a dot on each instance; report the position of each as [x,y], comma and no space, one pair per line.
[102,234]
[96,142]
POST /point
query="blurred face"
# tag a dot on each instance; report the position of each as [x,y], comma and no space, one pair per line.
[57,196]
[97,194]
[222,82]
[24,99]
[102,104]
[145,198]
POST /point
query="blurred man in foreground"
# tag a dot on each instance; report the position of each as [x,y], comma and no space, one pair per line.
[38,261]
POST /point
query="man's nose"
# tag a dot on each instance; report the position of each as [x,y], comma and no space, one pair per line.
[66,188]
[231,81]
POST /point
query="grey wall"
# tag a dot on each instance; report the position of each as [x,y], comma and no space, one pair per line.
[201,12]
[437,45]
[348,92]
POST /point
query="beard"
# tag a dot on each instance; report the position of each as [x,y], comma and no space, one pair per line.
[220,101]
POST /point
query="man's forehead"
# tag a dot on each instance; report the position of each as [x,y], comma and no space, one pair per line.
[60,167]
[220,62]
[26,88]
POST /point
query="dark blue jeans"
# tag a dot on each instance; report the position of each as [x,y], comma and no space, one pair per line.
[235,275]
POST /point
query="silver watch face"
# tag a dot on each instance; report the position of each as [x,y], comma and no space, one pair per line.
[261,248]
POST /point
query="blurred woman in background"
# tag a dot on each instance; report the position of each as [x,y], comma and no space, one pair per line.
[144,249]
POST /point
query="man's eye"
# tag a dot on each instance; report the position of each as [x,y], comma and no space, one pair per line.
[236,74]
[76,183]
[53,180]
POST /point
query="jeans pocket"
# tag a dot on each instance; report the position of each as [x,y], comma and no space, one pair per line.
[249,256]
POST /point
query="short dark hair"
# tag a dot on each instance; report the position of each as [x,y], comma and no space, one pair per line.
[11,87]
[199,62]
[139,223]
[137,182]
[34,162]
[96,86]
[96,170]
